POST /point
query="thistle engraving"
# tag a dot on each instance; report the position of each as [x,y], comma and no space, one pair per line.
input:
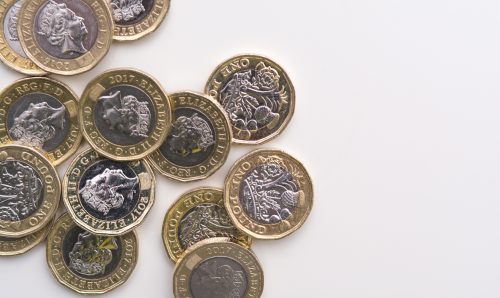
[126,114]
[20,190]
[253,99]
[190,135]
[126,10]
[62,28]
[219,277]
[269,193]
[38,124]
[108,190]
[91,254]
[203,222]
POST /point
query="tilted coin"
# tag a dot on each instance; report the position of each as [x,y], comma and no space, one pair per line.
[257,95]
[137,18]
[42,113]
[17,246]
[65,37]
[216,268]
[108,197]
[11,51]
[198,142]
[197,215]
[268,194]
[125,114]
[89,263]
[29,191]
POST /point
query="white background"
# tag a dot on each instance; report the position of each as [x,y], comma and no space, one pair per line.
[397,120]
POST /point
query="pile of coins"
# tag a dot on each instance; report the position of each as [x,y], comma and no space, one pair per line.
[70,37]
[133,127]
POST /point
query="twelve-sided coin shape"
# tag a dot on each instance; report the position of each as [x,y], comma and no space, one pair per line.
[89,263]
[125,114]
[108,197]
[257,95]
[198,142]
[42,113]
[197,215]
[268,194]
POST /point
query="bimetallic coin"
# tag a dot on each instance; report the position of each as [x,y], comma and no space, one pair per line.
[198,142]
[17,246]
[89,263]
[268,194]
[197,215]
[137,18]
[257,95]
[29,191]
[108,197]
[125,114]
[11,52]
[218,268]
[65,37]
[42,113]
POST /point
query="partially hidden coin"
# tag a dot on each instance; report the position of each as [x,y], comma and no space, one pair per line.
[257,95]
[125,114]
[197,215]
[198,142]
[11,51]
[89,263]
[268,194]
[17,246]
[41,112]
[29,191]
[108,197]
[216,268]
[65,37]
[137,18]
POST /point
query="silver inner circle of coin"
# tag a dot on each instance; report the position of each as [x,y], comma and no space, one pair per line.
[10,28]
[218,277]
[130,12]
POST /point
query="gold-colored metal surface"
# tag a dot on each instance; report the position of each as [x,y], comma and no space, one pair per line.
[17,246]
[201,121]
[257,95]
[71,257]
[31,89]
[268,194]
[197,215]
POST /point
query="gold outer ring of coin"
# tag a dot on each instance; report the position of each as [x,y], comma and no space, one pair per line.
[219,77]
[223,135]
[7,54]
[17,246]
[240,217]
[146,26]
[218,247]
[67,277]
[84,219]
[50,196]
[146,84]
[48,62]
[57,90]
[184,205]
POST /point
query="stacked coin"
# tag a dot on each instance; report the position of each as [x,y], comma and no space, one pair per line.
[70,37]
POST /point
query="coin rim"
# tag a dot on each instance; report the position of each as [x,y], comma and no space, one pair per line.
[80,69]
[57,195]
[76,119]
[84,98]
[292,98]
[227,203]
[44,232]
[159,20]
[54,271]
[246,243]
[37,71]
[220,241]
[151,157]
[82,224]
